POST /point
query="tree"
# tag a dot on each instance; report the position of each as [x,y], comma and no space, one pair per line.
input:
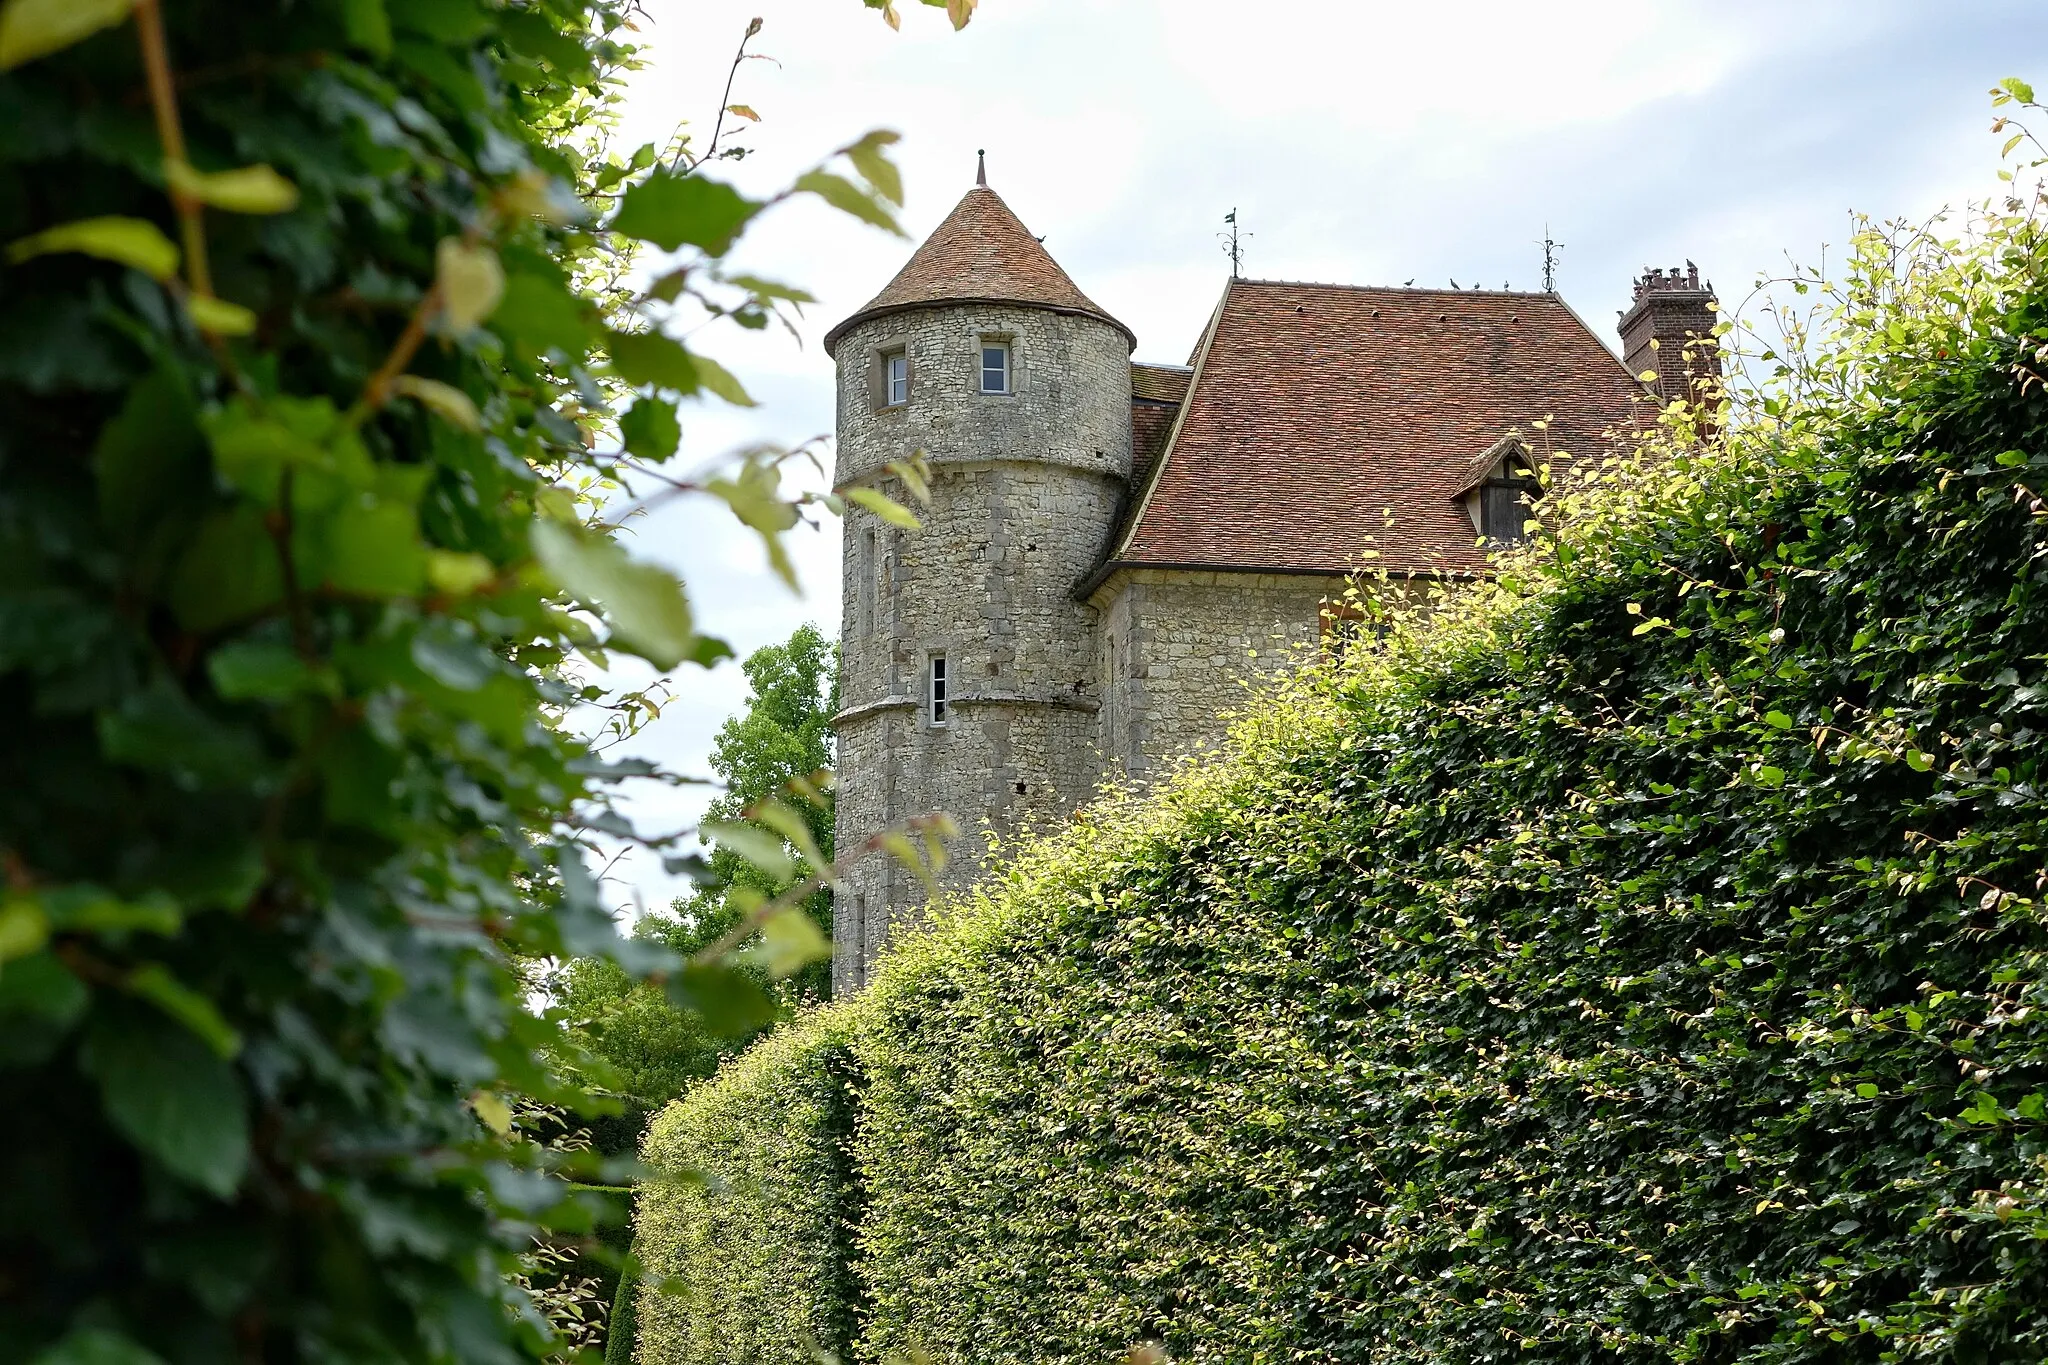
[775,749]
[778,749]
[317,405]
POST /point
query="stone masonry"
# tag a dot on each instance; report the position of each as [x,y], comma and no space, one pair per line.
[1098,605]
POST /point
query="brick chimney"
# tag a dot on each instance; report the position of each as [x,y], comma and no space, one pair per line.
[1671,308]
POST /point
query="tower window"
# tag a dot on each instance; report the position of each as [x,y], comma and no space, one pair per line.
[995,367]
[895,378]
[935,690]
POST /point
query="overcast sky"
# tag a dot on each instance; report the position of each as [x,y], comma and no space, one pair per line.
[1361,142]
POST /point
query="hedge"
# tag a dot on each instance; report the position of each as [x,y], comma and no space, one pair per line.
[745,1256]
[1640,962]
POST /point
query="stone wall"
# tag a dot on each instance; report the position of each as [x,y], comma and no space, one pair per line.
[1178,648]
[1025,488]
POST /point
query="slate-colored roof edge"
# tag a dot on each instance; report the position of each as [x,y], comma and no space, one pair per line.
[1144,498]
[890,309]
[1104,571]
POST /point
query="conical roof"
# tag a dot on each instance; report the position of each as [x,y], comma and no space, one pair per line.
[980,254]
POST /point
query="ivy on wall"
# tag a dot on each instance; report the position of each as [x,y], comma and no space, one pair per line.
[1640,960]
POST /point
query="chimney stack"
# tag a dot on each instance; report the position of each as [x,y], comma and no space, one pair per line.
[1670,309]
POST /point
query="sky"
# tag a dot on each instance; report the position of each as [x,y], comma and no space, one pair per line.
[1359,142]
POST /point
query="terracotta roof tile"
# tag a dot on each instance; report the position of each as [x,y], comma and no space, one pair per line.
[1160,383]
[1326,420]
[980,252]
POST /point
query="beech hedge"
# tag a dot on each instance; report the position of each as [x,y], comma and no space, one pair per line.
[1641,962]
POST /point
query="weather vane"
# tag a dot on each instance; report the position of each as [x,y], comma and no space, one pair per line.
[1550,250]
[1233,246]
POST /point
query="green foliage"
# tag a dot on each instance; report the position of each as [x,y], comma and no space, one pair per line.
[1643,958]
[773,751]
[311,331]
[745,1254]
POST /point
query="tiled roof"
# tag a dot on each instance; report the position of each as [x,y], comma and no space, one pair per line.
[1327,420]
[1156,394]
[1160,383]
[981,253]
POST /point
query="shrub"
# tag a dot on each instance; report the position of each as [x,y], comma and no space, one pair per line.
[1641,961]
[746,1238]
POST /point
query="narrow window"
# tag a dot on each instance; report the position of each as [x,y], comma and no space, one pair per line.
[895,378]
[1109,698]
[868,569]
[995,367]
[937,689]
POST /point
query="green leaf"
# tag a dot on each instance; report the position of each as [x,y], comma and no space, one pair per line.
[247,189]
[444,400]
[153,982]
[847,197]
[755,497]
[792,826]
[2018,89]
[650,430]
[1777,720]
[173,1097]
[454,22]
[1768,776]
[790,942]
[251,670]
[150,460]
[367,25]
[649,358]
[757,846]
[471,282]
[132,242]
[1866,1091]
[97,1346]
[24,928]
[672,210]
[41,986]
[35,28]
[1919,760]
[219,317]
[883,506]
[720,381]
[228,571]
[645,604]
[369,546]
[159,729]
[870,159]
[544,315]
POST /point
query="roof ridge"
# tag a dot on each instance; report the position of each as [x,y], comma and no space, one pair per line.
[1410,289]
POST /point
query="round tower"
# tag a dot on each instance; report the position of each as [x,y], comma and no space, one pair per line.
[967,666]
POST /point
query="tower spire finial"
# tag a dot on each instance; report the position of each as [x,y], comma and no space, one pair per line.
[981,168]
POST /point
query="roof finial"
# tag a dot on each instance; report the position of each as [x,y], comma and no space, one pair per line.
[981,168]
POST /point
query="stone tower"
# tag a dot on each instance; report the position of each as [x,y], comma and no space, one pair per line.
[968,681]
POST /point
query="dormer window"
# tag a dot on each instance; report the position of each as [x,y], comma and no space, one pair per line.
[1504,505]
[995,367]
[1500,491]
[895,378]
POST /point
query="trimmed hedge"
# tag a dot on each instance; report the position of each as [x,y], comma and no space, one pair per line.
[745,1256]
[1642,963]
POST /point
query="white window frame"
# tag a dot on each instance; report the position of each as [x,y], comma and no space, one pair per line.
[896,377]
[938,695]
[1009,370]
